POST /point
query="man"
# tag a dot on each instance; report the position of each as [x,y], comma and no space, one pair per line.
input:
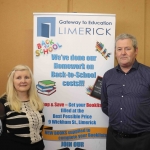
[125,99]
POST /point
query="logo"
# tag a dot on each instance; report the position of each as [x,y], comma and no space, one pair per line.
[46,26]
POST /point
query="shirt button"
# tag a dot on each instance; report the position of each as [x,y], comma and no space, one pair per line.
[122,96]
[121,121]
[123,85]
[120,108]
[125,74]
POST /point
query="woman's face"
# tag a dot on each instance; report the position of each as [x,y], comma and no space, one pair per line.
[22,81]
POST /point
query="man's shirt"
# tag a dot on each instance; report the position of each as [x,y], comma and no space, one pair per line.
[125,98]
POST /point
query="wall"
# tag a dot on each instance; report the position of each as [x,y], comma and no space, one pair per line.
[16,26]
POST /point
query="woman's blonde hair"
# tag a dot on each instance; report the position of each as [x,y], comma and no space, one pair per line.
[12,98]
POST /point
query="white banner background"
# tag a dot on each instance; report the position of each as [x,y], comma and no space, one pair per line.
[58,36]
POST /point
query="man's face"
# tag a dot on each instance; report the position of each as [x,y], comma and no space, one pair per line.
[125,53]
[22,81]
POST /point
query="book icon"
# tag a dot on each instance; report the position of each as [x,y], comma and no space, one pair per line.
[46,83]
[43,89]
[66,148]
[46,87]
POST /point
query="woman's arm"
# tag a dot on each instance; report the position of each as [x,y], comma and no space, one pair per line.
[2,111]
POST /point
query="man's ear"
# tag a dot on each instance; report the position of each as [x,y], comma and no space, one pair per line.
[136,51]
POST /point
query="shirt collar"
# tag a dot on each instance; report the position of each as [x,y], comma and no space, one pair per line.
[135,66]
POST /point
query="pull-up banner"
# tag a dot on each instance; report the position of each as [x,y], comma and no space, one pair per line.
[71,52]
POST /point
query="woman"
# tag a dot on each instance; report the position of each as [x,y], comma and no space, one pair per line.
[21,112]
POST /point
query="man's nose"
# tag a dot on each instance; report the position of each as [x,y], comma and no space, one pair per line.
[123,51]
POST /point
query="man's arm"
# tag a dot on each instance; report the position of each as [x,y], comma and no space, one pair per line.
[104,97]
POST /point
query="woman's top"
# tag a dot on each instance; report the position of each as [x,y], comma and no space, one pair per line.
[24,127]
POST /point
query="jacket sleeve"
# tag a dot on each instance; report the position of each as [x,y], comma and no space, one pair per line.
[2,111]
[104,97]
[2,107]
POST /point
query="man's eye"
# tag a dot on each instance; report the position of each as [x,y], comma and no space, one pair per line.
[18,78]
[119,49]
[128,48]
